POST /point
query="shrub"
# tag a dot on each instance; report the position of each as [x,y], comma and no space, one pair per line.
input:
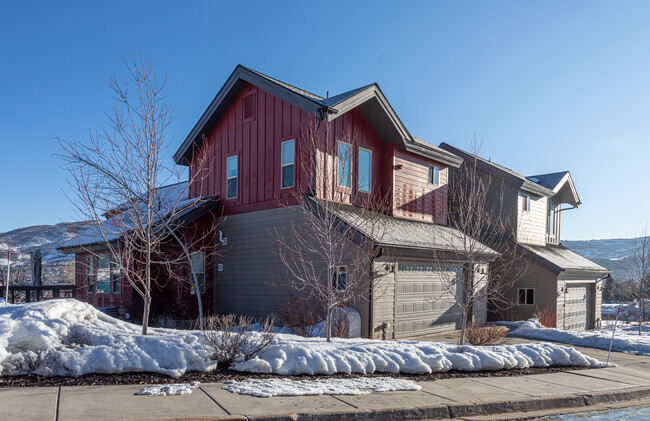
[298,316]
[231,338]
[340,323]
[488,335]
[546,317]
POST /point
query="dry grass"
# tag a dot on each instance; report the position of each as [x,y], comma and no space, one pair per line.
[489,335]
[231,338]
[546,317]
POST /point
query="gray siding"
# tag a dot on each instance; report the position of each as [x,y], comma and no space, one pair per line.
[545,285]
[383,302]
[531,226]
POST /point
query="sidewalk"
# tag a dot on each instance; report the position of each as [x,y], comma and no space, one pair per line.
[450,398]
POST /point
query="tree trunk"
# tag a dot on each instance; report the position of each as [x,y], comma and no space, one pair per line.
[328,323]
[463,326]
[145,312]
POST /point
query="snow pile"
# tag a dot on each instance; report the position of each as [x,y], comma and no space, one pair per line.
[625,340]
[293,355]
[265,388]
[70,338]
[629,311]
[169,389]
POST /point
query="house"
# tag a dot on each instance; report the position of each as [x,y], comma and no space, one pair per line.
[255,130]
[555,278]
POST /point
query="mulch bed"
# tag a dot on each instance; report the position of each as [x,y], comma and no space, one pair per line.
[221,374]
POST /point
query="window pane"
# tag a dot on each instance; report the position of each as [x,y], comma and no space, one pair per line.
[116,280]
[287,176]
[232,188]
[90,270]
[287,153]
[364,170]
[522,296]
[232,167]
[345,155]
[103,274]
[530,296]
[341,278]
[436,176]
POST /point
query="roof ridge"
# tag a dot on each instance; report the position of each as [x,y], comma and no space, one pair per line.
[301,91]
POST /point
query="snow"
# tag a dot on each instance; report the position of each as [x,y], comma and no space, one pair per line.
[625,339]
[69,338]
[294,355]
[169,389]
[265,388]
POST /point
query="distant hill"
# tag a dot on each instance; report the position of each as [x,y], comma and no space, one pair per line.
[614,254]
[57,267]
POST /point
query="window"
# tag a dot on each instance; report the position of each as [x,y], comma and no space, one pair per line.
[103,274]
[345,158]
[340,281]
[364,172]
[90,273]
[526,203]
[116,279]
[231,177]
[287,164]
[198,268]
[434,175]
[526,296]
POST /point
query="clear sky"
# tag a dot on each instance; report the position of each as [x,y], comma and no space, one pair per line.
[547,86]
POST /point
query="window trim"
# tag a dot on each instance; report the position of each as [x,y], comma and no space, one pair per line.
[369,170]
[432,175]
[525,303]
[230,178]
[338,165]
[336,278]
[293,164]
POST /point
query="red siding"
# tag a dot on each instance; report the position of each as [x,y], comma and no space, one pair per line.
[122,300]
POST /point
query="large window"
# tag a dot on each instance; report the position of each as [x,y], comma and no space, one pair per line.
[365,170]
[90,273]
[434,175]
[345,160]
[340,281]
[231,177]
[287,172]
[198,269]
[116,279]
[103,274]
[526,296]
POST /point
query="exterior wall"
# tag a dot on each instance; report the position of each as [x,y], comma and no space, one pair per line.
[383,299]
[531,225]
[414,197]
[122,300]
[546,292]
[252,280]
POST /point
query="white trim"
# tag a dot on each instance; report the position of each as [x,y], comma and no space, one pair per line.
[369,170]
[235,177]
[293,163]
[338,162]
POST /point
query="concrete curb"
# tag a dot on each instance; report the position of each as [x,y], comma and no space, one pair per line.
[450,411]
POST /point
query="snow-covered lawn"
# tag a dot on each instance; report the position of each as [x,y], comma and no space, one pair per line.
[626,339]
[70,338]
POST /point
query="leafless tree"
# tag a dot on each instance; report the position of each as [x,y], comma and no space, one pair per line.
[119,174]
[329,261]
[638,271]
[482,222]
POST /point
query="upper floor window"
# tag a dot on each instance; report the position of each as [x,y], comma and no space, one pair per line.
[365,170]
[197,265]
[434,175]
[287,164]
[231,177]
[526,204]
[340,278]
[345,159]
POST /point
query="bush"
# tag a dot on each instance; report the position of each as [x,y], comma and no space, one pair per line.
[231,338]
[546,317]
[489,335]
[340,323]
[298,316]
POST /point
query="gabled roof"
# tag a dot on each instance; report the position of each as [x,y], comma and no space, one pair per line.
[404,233]
[369,99]
[500,171]
[558,259]
[561,183]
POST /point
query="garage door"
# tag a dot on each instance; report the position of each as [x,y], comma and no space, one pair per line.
[423,302]
[577,311]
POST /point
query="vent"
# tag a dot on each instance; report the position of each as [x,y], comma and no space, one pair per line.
[249,107]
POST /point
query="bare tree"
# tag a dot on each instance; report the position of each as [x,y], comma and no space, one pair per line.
[119,174]
[638,271]
[328,260]
[477,259]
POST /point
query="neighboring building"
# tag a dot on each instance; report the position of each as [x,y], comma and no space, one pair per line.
[556,278]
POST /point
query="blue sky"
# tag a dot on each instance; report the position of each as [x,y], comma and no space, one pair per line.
[547,86]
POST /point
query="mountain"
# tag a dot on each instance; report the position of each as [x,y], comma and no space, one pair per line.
[614,253]
[57,267]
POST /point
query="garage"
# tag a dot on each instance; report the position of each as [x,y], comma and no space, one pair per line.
[578,306]
[423,302]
